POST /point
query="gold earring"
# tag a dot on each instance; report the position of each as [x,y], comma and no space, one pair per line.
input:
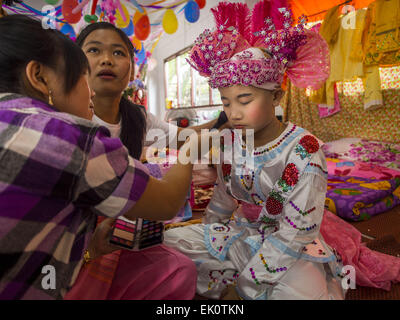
[50,98]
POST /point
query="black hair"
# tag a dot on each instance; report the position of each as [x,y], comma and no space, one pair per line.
[11,2]
[23,40]
[133,116]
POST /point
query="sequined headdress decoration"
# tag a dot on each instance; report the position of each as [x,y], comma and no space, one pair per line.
[257,48]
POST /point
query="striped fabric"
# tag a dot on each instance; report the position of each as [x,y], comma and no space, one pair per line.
[58,172]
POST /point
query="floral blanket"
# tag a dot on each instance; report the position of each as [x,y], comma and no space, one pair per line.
[373,152]
[358,190]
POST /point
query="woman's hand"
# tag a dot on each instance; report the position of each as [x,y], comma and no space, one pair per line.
[229,293]
[99,244]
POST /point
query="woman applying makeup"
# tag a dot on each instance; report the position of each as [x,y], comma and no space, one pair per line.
[156,273]
[59,171]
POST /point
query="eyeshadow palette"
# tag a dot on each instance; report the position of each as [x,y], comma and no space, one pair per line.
[138,234]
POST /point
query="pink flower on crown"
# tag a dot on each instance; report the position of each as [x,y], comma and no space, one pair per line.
[244,67]
[233,78]
[231,67]
[255,68]
[246,55]
[260,79]
[225,48]
[246,80]
[220,69]
[224,82]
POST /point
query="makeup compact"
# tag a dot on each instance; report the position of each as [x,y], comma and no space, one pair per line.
[138,234]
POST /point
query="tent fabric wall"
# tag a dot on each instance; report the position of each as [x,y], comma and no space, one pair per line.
[381,124]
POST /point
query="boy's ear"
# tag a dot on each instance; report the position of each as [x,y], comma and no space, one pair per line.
[278,94]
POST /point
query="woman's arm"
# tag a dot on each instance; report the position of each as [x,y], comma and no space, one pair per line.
[163,198]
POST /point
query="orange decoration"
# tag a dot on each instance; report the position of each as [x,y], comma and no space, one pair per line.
[66,9]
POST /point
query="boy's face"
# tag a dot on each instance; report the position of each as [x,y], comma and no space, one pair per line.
[249,107]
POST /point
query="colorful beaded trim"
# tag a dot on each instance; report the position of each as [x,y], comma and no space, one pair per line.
[318,166]
[222,229]
[243,181]
[256,199]
[271,270]
[303,213]
[277,144]
[301,229]
[224,281]
[254,276]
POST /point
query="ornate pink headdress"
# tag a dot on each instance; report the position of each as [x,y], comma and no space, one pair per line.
[258,48]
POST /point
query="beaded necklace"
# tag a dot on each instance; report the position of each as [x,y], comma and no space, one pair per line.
[267,149]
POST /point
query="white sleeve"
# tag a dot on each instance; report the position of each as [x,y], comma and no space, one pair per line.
[298,227]
[158,128]
[221,205]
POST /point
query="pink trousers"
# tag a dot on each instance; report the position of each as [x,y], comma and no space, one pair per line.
[158,273]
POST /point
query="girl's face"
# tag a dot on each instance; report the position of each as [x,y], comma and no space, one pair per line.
[77,102]
[249,107]
[109,61]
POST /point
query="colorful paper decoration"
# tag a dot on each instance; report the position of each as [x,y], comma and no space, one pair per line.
[68,30]
[136,43]
[129,30]
[122,20]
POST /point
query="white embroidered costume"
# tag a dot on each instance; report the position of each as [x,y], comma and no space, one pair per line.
[271,247]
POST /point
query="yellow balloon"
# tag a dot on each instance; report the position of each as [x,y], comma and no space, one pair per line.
[119,20]
[137,43]
[170,22]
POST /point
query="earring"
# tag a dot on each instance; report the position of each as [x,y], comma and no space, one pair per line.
[50,99]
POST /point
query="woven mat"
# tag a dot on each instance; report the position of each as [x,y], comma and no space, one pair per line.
[381,225]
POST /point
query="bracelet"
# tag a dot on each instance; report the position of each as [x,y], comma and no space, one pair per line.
[86,257]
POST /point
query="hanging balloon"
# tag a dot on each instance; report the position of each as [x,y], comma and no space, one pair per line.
[66,9]
[201,3]
[52,2]
[192,11]
[136,43]
[68,30]
[129,30]
[120,22]
[142,28]
[169,22]
[137,16]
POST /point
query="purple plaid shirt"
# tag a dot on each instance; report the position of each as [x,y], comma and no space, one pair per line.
[57,173]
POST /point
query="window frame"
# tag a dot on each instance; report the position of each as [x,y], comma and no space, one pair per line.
[192,106]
